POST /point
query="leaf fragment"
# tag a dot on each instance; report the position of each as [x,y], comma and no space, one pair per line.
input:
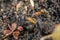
[16,34]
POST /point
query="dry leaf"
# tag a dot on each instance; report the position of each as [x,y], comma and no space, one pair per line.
[16,34]
[6,32]
[55,35]
[14,25]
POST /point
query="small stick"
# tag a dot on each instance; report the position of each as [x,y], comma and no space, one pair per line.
[9,27]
